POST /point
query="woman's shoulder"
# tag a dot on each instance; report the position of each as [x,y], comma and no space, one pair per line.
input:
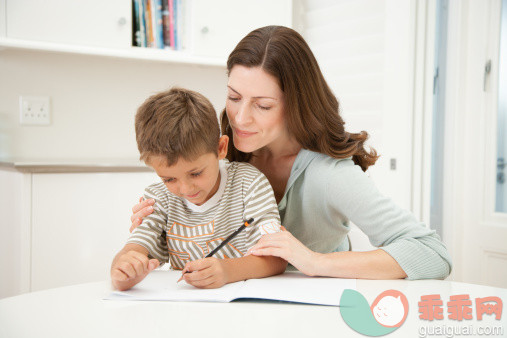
[319,164]
[321,172]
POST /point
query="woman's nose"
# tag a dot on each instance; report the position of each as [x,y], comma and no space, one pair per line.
[243,116]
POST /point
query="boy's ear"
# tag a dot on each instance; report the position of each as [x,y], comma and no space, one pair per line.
[223,144]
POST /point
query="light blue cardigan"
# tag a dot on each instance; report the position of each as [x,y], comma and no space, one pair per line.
[324,193]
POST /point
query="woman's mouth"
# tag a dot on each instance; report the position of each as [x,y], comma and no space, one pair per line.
[243,133]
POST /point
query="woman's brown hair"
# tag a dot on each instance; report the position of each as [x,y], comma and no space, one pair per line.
[312,110]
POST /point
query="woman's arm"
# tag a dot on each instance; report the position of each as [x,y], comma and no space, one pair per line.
[375,264]
[333,192]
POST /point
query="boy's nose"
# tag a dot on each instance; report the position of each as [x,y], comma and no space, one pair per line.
[186,188]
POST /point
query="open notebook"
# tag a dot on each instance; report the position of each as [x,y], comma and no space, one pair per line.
[289,287]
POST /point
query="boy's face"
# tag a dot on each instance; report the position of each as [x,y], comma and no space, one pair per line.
[197,180]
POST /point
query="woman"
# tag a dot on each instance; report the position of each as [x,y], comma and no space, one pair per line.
[282,117]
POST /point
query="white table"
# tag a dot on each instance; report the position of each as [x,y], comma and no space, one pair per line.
[79,311]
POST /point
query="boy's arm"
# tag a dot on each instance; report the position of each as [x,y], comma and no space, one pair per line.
[208,273]
[250,266]
[130,266]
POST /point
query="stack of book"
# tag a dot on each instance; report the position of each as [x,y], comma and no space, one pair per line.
[158,24]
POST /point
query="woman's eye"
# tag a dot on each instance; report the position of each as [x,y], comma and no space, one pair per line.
[234,99]
[263,107]
[196,174]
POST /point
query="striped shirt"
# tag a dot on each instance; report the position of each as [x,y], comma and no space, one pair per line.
[179,231]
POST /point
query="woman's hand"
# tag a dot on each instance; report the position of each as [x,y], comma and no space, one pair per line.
[140,211]
[284,245]
[206,273]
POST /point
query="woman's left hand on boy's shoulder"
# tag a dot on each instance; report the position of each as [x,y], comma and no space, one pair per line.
[205,273]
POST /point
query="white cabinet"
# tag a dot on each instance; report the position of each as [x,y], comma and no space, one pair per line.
[95,27]
[79,222]
[220,24]
[78,22]
[60,229]
[3,20]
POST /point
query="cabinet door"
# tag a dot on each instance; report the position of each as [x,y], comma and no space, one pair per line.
[3,19]
[217,26]
[79,222]
[80,22]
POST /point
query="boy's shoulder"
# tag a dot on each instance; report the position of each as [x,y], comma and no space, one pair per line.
[157,190]
[242,168]
[242,172]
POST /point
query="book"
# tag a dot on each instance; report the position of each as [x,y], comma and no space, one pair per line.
[175,23]
[136,37]
[165,24]
[290,286]
[171,22]
[149,23]
[158,26]
[180,14]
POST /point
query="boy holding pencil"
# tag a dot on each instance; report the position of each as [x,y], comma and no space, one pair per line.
[201,200]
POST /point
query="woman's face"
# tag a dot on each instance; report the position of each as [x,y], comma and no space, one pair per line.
[255,108]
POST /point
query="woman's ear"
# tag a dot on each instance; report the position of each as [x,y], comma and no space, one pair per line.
[223,145]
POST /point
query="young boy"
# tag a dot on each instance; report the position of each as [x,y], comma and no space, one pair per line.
[201,200]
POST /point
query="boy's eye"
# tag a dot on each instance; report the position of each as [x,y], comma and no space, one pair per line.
[196,174]
[168,180]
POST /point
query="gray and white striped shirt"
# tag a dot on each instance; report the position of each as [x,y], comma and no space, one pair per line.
[179,231]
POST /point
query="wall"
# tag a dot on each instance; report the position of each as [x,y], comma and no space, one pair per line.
[93,101]
[365,50]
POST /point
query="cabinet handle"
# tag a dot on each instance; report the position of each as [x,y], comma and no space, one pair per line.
[204,30]
[487,71]
[122,21]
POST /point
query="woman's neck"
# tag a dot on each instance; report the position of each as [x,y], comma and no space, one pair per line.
[279,150]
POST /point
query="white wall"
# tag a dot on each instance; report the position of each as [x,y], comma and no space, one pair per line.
[93,101]
[365,50]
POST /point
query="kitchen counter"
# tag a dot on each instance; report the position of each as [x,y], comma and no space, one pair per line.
[73,165]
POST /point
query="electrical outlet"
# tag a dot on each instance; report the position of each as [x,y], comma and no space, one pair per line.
[34,110]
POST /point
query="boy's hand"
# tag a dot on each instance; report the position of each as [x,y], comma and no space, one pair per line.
[131,268]
[206,273]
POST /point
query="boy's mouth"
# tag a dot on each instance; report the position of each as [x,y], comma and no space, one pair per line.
[193,196]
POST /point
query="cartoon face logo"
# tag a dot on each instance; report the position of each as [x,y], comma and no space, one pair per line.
[390,308]
[385,315]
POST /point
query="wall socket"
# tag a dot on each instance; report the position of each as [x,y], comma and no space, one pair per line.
[34,110]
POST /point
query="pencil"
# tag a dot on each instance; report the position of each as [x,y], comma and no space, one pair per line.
[227,240]
[231,236]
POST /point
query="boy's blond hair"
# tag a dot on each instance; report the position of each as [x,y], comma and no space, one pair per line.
[176,123]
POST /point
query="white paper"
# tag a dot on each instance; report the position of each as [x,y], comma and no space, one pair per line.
[297,287]
[161,285]
[290,287]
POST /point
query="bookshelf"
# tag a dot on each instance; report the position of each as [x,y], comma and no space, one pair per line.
[37,26]
[137,53]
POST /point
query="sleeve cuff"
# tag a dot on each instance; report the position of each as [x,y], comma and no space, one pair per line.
[419,261]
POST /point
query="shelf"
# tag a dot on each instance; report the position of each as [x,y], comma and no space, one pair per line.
[135,53]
